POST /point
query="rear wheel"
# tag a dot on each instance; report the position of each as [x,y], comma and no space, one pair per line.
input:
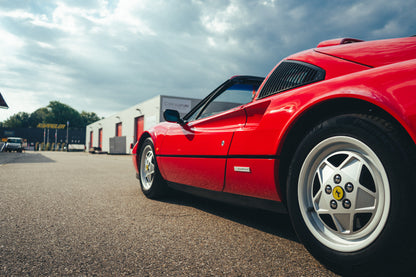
[349,194]
[151,181]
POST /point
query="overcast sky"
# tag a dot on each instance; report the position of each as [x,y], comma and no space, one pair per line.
[106,56]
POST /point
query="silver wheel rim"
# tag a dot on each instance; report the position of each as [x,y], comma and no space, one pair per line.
[147,167]
[344,194]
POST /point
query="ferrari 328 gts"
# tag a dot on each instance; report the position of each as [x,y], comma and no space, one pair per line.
[329,136]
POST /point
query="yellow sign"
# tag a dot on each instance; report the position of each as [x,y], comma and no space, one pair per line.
[338,193]
[51,126]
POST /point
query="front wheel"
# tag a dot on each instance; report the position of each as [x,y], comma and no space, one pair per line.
[348,194]
[151,181]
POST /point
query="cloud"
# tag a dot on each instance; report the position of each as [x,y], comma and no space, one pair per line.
[105,56]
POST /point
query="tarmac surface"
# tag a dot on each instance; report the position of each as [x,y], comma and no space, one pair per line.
[78,214]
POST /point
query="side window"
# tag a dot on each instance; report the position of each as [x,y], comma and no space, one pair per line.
[236,95]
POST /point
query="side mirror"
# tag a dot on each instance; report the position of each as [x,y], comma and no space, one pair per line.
[172,116]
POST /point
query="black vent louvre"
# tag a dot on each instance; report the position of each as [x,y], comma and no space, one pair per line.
[291,74]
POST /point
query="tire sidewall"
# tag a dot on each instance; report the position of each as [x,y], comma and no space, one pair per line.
[147,142]
[158,187]
[376,134]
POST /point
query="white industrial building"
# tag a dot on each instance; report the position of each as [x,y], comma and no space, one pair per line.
[117,133]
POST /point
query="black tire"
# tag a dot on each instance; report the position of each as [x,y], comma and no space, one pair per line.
[349,193]
[151,181]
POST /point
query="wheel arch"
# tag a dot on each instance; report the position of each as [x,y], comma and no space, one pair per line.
[139,144]
[307,120]
[143,137]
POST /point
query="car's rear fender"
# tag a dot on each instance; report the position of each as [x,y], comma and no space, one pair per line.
[387,92]
[391,89]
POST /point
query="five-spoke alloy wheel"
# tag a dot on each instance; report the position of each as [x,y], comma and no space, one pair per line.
[344,194]
[349,194]
[151,181]
[147,167]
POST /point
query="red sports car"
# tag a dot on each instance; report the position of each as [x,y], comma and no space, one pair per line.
[329,136]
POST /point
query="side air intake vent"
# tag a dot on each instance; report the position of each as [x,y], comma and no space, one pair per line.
[291,74]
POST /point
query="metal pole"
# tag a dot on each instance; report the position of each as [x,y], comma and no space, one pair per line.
[67,136]
[56,138]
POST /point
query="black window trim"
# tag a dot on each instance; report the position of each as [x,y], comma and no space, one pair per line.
[224,86]
[320,71]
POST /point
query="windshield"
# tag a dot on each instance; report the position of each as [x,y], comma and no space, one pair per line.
[234,96]
[226,97]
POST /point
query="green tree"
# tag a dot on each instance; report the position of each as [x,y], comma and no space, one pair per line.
[61,113]
[19,120]
[88,118]
[56,112]
[41,115]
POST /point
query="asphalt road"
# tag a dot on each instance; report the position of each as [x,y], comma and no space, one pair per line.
[82,214]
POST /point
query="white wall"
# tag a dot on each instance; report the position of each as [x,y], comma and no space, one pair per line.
[152,111]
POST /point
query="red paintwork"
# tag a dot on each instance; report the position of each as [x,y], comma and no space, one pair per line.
[100,138]
[204,136]
[138,127]
[260,182]
[337,41]
[379,72]
[375,53]
[333,67]
[377,86]
[198,172]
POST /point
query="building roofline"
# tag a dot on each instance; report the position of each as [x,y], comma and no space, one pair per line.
[3,104]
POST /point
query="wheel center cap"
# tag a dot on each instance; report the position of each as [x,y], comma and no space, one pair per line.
[338,193]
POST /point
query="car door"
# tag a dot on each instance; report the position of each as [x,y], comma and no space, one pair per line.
[195,153]
[250,169]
